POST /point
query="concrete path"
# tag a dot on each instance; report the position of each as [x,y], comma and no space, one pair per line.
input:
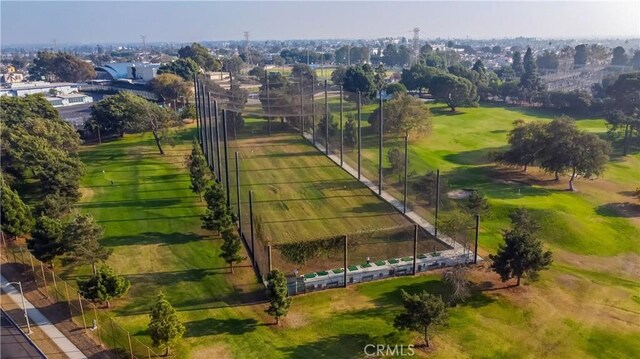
[456,251]
[36,318]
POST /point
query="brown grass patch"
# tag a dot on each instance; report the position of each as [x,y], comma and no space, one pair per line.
[218,351]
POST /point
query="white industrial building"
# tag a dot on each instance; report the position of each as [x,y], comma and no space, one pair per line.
[136,71]
[19,89]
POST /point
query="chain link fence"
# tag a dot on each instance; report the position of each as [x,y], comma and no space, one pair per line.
[96,322]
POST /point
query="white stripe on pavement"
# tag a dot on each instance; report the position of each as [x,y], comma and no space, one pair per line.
[42,322]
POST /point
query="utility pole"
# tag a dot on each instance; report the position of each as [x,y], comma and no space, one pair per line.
[416,45]
[437,201]
[144,47]
[247,47]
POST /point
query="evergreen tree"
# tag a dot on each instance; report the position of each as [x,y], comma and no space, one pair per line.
[523,221]
[197,170]
[104,286]
[396,159]
[516,64]
[47,239]
[279,301]
[165,328]
[521,255]
[15,216]
[530,83]
[477,204]
[231,245]
[421,312]
[82,241]
[216,207]
[350,133]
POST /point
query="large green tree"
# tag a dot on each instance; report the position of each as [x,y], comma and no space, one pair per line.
[526,142]
[104,286]
[278,294]
[44,151]
[421,312]
[407,115]
[47,239]
[360,78]
[453,90]
[530,82]
[82,237]
[588,155]
[623,115]
[15,217]
[521,255]
[128,112]
[171,87]
[580,56]
[516,63]
[184,68]
[60,66]
[201,56]
[16,109]
[197,170]
[165,328]
[231,244]
[216,209]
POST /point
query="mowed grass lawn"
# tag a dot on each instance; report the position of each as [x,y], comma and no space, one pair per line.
[299,194]
[585,306]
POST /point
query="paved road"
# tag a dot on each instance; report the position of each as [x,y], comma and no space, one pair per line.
[15,344]
[37,318]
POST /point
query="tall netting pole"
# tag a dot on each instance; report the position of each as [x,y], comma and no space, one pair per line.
[266,79]
[406,171]
[195,92]
[359,133]
[380,147]
[210,131]
[313,111]
[226,156]
[326,118]
[253,256]
[204,123]
[238,191]
[215,103]
[341,129]
[415,249]
[346,254]
[475,250]
[435,226]
[301,105]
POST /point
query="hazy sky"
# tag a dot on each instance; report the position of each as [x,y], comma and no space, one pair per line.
[25,22]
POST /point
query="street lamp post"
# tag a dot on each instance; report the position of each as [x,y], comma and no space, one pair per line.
[26,316]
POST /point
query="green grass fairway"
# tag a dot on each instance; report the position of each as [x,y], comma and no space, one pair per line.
[586,305]
[300,194]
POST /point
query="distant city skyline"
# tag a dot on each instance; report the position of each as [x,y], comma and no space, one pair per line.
[30,23]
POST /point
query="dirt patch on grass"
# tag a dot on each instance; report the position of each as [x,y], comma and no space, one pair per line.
[296,320]
[218,351]
[625,265]
[87,193]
